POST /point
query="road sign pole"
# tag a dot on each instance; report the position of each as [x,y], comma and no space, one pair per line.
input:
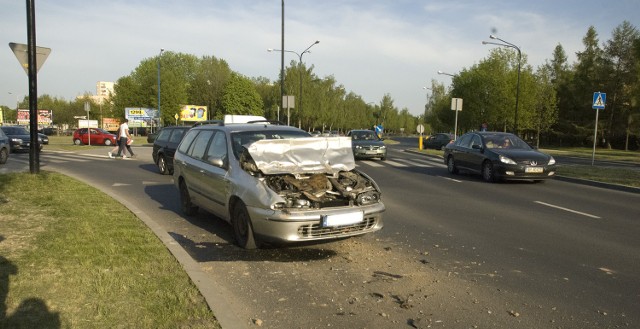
[599,101]
[595,138]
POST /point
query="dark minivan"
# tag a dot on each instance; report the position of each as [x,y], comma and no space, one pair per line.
[165,145]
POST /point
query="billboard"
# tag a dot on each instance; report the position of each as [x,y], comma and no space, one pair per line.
[110,124]
[45,117]
[193,113]
[141,117]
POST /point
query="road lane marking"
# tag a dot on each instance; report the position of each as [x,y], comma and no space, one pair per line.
[395,164]
[369,163]
[451,179]
[567,209]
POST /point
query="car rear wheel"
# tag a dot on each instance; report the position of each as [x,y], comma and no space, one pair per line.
[4,156]
[242,229]
[77,141]
[488,174]
[162,165]
[185,200]
[451,165]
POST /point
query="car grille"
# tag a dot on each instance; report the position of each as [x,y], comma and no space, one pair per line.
[371,147]
[317,231]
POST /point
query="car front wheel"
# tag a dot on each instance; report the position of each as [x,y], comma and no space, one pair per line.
[108,142]
[451,166]
[4,155]
[488,174]
[242,229]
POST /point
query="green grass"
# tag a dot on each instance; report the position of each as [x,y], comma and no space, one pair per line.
[72,257]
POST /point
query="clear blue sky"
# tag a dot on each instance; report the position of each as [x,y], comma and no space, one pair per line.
[371,47]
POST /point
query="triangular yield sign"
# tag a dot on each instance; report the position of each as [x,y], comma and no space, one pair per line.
[21,52]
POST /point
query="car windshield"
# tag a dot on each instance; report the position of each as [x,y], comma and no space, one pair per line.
[363,135]
[505,142]
[245,138]
[15,131]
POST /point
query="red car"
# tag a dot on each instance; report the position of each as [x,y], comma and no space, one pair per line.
[98,137]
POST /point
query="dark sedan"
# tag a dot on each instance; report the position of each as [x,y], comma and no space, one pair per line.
[366,144]
[498,156]
[19,138]
[438,141]
[165,145]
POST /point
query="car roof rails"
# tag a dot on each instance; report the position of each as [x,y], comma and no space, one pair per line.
[209,122]
[273,122]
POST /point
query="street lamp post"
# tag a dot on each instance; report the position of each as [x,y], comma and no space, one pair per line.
[510,45]
[300,66]
[445,73]
[159,111]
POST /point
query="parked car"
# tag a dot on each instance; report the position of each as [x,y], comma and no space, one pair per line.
[165,145]
[5,147]
[366,144]
[151,137]
[44,139]
[498,156]
[19,138]
[275,183]
[98,137]
[438,141]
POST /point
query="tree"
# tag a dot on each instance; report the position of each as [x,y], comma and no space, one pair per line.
[240,97]
[620,72]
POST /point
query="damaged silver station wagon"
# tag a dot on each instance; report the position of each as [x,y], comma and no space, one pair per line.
[275,183]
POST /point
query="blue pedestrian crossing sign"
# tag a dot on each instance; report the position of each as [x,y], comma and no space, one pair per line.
[599,100]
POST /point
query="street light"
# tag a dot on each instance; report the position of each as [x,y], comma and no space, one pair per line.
[159,111]
[445,73]
[300,65]
[510,45]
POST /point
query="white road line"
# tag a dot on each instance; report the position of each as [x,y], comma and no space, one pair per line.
[395,164]
[567,209]
[369,163]
[451,179]
[416,163]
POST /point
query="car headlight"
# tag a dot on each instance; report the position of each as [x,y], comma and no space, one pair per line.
[383,147]
[552,161]
[16,140]
[506,160]
[358,147]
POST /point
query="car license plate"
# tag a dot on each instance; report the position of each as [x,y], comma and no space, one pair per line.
[342,219]
[534,170]
[371,152]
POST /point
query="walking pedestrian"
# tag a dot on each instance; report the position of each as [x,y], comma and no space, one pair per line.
[123,138]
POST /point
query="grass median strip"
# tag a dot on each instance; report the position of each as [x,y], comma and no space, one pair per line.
[70,255]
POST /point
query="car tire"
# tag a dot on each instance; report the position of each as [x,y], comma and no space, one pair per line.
[488,174]
[451,165]
[383,158]
[108,142]
[4,156]
[186,206]
[77,141]
[162,165]
[242,229]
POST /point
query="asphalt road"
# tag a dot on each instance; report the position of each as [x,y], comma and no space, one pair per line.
[455,252]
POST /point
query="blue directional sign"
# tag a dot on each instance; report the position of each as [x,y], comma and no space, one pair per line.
[599,100]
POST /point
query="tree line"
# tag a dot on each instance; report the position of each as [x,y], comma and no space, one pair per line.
[554,99]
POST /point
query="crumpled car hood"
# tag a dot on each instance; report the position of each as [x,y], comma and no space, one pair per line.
[303,155]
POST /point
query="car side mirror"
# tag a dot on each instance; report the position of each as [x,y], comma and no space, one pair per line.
[218,162]
[476,147]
